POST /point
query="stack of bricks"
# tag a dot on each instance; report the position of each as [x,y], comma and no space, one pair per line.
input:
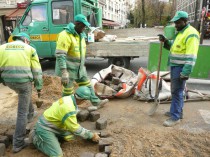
[105,146]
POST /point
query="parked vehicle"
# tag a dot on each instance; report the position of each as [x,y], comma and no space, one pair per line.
[44,19]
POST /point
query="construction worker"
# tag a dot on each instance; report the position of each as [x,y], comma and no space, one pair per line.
[70,58]
[19,67]
[182,58]
[59,122]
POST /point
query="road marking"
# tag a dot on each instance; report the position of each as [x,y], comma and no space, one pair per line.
[206,115]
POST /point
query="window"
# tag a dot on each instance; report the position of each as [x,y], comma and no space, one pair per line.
[36,13]
[62,12]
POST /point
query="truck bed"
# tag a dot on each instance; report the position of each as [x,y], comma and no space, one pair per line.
[131,49]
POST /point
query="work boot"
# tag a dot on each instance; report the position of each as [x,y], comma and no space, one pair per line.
[17,149]
[168,114]
[29,139]
[171,122]
[101,103]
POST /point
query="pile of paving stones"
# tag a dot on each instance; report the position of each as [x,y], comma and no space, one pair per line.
[104,146]
[6,141]
[105,142]
[92,115]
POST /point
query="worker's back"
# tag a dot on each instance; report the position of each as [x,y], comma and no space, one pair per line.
[15,61]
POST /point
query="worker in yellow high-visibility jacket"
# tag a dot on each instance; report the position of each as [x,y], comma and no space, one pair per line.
[59,122]
[70,58]
[182,58]
[19,67]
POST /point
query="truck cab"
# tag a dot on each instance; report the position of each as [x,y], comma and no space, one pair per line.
[44,19]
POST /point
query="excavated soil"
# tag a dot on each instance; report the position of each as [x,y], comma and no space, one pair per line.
[135,133]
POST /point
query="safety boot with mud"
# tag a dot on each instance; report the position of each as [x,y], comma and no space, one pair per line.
[101,103]
[18,149]
[171,122]
[29,139]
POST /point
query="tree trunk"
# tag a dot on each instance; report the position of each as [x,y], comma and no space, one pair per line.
[143,13]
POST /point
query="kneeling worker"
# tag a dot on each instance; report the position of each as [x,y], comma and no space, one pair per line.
[60,122]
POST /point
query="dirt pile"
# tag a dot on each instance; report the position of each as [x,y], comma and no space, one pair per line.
[51,90]
[147,142]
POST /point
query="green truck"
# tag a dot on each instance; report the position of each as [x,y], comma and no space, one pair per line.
[44,19]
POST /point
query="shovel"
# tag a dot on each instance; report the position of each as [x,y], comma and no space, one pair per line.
[156,103]
[39,102]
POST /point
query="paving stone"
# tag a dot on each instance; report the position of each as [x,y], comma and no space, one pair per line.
[87,154]
[5,140]
[104,134]
[105,142]
[101,123]
[92,108]
[108,150]
[2,149]
[83,115]
[101,155]
[94,116]
[10,134]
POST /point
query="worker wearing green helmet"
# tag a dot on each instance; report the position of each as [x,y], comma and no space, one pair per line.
[60,122]
[70,58]
[19,70]
[183,54]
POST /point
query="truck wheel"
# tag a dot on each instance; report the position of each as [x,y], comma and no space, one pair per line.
[120,61]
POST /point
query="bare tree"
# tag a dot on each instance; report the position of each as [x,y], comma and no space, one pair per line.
[152,12]
[143,13]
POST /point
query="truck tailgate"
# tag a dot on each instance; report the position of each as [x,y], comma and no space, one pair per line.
[125,49]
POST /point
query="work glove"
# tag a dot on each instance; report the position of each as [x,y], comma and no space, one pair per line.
[183,78]
[64,77]
[162,38]
[95,137]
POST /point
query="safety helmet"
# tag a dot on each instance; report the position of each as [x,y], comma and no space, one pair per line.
[179,15]
[82,18]
[22,34]
[83,92]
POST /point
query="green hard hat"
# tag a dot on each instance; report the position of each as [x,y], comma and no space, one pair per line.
[83,92]
[21,35]
[178,15]
[82,18]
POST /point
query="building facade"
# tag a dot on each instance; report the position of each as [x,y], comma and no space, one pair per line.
[10,10]
[115,12]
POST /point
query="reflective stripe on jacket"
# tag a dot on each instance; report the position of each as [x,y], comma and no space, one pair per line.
[70,53]
[184,49]
[19,63]
[61,118]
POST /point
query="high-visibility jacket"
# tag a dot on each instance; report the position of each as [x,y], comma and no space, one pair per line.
[61,119]
[70,52]
[19,63]
[184,49]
